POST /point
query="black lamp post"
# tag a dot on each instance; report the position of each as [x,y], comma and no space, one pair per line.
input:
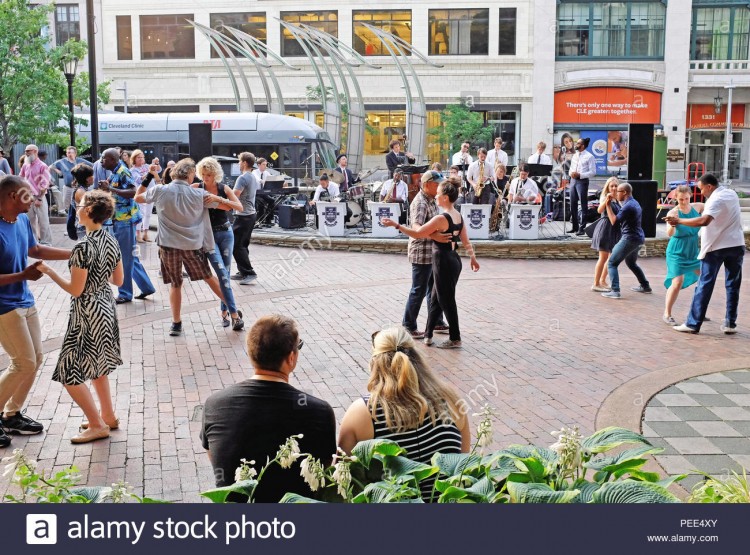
[70,65]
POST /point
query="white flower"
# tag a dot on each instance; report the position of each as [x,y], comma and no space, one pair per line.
[568,447]
[118,493]
[289,452]
[15,461]
[245,471]
[342,476]
[484,428]
[312,472]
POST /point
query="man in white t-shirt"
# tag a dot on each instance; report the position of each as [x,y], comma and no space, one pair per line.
[722,242]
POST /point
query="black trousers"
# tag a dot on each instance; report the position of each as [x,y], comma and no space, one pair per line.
[579,192]
[243,231]
[446,267]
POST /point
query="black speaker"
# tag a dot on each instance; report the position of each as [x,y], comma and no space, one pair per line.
[640,151]
[645,192]
[292,216]
[201,143]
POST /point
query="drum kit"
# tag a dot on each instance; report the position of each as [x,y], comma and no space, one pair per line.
[354,197]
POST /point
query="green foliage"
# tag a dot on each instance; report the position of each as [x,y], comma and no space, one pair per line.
[458,124]
[730,489]
[33,89]
[220,495]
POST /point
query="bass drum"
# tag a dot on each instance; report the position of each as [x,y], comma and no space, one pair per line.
[356,216]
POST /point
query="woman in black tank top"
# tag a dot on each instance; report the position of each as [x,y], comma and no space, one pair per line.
[445,230]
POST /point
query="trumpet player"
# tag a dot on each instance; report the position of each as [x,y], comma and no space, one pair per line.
[481,178]
[462,157]
[524,189]
[397,158]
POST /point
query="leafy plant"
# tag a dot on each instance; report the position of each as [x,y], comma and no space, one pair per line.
[730,489]
[457,125]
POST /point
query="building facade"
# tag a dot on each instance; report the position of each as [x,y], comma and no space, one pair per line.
[535,69]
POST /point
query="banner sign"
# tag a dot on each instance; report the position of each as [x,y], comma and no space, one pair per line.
[702,116]
[607,106]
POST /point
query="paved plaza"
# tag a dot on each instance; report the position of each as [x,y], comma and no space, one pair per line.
[539,347]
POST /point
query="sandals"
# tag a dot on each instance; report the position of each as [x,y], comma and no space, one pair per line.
[669,320]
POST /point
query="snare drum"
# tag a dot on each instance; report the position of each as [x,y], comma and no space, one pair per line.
[356,192]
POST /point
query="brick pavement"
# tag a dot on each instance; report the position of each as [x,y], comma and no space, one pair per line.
[539,347]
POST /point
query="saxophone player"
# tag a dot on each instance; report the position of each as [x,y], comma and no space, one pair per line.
[481,178]
[396,190]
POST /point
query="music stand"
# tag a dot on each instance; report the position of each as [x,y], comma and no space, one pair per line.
[463,168]
[540,170]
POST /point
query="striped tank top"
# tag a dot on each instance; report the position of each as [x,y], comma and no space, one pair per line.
[421,443]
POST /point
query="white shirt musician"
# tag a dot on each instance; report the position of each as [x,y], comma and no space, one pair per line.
[523,188]
[477,175]
[462,156]
[401,192]
[539,157]
[327,191]
[261,172]
[497,155]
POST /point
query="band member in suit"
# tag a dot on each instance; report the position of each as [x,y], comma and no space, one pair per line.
[478,174]
[397,158]
[349,178]
[497,155]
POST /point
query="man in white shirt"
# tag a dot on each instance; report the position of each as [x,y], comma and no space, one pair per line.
[462,156]
[722,242]
[539,157]
[261,172]
[582,168]
[396,190]
[497,155]
[477,175]
[523,188]
[326,190]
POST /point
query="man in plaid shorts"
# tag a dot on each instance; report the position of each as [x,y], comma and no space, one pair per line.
[185,234]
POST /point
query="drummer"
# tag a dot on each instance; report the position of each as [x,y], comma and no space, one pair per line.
[348,178]
[396,190]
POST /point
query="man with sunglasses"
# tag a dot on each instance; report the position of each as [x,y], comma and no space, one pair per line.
[251,419]
[630,242]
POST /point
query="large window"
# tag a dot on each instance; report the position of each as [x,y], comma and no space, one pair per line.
[507,32]
[459,31]
[396,22]
[390,124]
[67,24]
[720,33]
[254,24]
[600,29]
[327,21]
[124,38]
[167,37]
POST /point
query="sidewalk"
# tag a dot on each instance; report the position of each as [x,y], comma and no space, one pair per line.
[539,347]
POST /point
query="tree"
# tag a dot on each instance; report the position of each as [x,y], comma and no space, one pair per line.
[458,124]
[33,89]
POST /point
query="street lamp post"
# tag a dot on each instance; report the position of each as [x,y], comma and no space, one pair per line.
[70,65]
[728,136]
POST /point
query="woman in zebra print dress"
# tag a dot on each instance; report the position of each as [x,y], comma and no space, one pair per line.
[91,348]
[407,403]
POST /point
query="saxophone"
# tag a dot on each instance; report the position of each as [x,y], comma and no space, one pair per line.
[479,186]
[389,196]
[495,218]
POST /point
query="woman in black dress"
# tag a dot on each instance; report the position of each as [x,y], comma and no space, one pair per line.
[91,347]
[446,263]
[605,235]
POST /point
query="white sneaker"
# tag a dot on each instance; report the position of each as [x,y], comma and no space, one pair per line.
[684,328]
[727,330]
[428,341]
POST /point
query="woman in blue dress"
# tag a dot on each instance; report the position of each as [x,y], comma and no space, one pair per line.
[683,266]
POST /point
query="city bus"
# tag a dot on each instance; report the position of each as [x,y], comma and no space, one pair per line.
[292,146]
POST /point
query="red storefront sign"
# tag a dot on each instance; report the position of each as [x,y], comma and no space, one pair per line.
[607,106]
[703,116]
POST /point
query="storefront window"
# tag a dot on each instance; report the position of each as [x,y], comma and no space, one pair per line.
[396,22]
[327,21]
[600,29]
[124,38]
[720,33]
[391,124]
[505,124]
[254,24]
[167,37]
[459,32]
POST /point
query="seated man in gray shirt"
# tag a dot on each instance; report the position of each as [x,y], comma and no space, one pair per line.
[184,233]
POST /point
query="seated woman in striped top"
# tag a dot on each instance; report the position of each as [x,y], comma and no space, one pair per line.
[407,403]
